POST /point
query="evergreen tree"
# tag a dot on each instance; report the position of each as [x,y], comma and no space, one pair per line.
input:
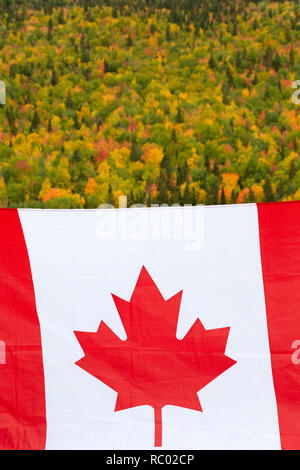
[179,116]
[279,190]
[216,170]
[168,33]
[186,195]
[110,199]
[251,197]
[163,191]
[292,56]
[11,120]
[193,197]
[269,195]
[129,42]
[106,66]
[293,170]
[49,63]
[175,196]
[76,157]
[69,101]
[212,62]
[276,62]
[35,122]
[229,76]
[233,196]
[61,18]
[165,164]
[50,29]
[54,79]
[223,200]
[182,173]
[135,152]
[76,121]
[238,60]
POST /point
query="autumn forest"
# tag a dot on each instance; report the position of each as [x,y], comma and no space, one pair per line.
[165,101]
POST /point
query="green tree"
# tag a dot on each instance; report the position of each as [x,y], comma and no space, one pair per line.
[35,122]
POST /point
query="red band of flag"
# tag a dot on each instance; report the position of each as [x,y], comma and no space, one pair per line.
[22,389]
[279,226]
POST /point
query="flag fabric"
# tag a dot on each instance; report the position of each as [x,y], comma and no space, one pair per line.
[169,327]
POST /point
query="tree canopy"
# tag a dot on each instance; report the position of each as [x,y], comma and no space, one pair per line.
[165,101]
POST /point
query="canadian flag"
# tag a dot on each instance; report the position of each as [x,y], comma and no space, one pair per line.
[172,327]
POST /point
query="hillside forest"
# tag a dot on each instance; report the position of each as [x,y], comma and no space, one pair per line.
[165,101]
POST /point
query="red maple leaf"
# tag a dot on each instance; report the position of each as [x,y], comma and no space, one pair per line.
[153,367]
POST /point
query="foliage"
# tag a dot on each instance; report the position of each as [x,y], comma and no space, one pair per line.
[165,101]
